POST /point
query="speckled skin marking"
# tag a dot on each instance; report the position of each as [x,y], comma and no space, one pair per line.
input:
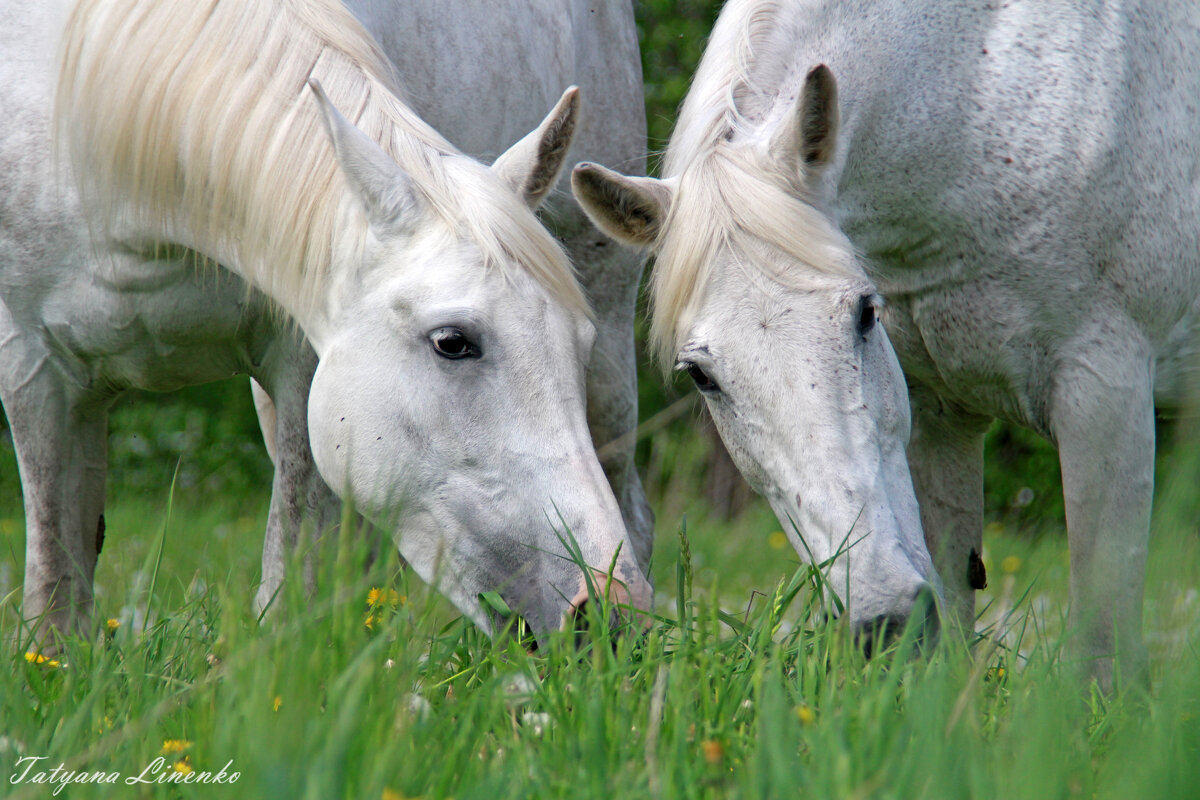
[1022,181]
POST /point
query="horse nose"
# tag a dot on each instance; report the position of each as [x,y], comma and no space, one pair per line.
[874,635]
[623,600]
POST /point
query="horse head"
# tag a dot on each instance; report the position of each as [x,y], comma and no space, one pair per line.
[763,302]
[449,400]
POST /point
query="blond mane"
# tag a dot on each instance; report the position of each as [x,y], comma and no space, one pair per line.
[727,194]
[195,116]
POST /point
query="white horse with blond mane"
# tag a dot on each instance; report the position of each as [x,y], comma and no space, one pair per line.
[159,326]
[448,405]
[1018,181]
[453,88]
[473,99]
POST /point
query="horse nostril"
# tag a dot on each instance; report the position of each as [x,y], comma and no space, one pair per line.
[874,635]
[577,621]
[577,616]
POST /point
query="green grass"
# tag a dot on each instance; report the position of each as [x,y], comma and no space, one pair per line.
[737,692]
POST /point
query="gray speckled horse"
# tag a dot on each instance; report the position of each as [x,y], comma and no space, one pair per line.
[122,320]
[1017,180]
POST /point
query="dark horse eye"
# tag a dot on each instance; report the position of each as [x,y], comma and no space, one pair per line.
[866,315]
[700,377]
[453,343]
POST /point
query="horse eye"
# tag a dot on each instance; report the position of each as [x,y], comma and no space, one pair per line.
[866,315]
[700,377]
[453,343]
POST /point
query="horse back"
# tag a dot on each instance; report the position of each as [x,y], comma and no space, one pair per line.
[506,62]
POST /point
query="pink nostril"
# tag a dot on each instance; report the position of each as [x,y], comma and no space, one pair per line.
[621,600]
[578,603]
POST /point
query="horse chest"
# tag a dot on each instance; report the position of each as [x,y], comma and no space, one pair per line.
[987,357]
[156,325]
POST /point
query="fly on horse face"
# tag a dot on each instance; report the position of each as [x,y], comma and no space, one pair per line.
[452,336]
[1016,180]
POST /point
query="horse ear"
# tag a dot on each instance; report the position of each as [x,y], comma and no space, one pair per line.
[807,137]
[630,210]
[532,165]
[385,191]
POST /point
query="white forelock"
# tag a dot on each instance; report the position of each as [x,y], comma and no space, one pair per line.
[728,188]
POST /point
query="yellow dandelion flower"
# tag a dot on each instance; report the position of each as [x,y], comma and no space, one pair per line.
[805,714]
[714,753]
[182,766]
[380,597]
[1010,564]
[392,794]
[276,703]
[172,746]
[38,658]
[370,622]
[112,623]
[778,540]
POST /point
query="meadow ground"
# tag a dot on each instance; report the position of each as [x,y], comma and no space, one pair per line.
[375,688]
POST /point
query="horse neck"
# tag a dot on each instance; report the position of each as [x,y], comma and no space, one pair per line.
[222,148]
[313,310]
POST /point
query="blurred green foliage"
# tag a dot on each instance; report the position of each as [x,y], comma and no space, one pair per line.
[208,433]
[672,34]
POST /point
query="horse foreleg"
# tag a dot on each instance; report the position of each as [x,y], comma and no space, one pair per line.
[945,456]
[299,497]
[1102,418]
[61,456]
[264,408]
